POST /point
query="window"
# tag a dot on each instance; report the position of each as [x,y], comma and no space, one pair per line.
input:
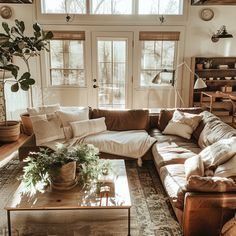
[67,59]
[160,7]
[158,52]
[63,6]
[113,7]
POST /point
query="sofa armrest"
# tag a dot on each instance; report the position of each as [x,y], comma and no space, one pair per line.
[206,213]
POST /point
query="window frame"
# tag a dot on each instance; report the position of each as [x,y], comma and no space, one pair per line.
[159,36]
[90,19]
[48,60]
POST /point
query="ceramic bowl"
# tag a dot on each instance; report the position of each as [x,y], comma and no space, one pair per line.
[228,78]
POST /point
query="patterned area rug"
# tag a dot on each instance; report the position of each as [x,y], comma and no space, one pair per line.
[151,213]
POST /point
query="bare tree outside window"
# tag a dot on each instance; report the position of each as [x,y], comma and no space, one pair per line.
[115,7]
[157,55]
[160,7]
[64,6]
[67,62]
[111,74]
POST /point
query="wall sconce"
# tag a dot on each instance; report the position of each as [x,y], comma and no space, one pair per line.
[221,33]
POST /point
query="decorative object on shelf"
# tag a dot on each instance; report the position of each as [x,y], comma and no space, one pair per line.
[221,33]
[207,64]
[14,43]
[199,84]
[5,12]
[199,66]
[206,14]
[47,167]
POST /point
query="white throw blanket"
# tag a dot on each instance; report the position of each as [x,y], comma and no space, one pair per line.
[133,143]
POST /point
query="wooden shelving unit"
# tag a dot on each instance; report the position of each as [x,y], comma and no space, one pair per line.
[221,80]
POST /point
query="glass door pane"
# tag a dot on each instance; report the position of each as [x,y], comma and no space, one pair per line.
[111,72]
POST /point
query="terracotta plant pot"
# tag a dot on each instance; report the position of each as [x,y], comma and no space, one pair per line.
[10,132]
[27,124]
[65,177]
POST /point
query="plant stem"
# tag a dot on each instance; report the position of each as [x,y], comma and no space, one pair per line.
[30,89]
[4,99]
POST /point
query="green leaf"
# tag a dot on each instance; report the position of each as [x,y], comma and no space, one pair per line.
[25,76]
[15,87]
[48,35]
[20,25]
[6,27]
[24,86]
[31,81]
[14,30]
[37,34]
[36,27]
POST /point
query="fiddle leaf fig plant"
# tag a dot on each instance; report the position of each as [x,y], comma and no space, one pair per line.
[14,43]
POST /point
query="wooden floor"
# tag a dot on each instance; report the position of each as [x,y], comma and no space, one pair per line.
[9,150]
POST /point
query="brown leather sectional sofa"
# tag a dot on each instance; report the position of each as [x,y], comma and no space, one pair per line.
[200,213]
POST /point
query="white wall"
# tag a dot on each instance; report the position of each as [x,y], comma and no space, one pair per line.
[198,36]
[196,42]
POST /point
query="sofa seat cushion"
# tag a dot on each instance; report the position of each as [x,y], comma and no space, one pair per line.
[174,181]
[171,149]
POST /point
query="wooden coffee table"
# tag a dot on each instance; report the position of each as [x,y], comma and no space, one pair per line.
[77,198]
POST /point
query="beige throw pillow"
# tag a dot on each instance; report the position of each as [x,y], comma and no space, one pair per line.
[218,153]
[228,169]
[68,116]
[194,166]
[46,128]
[47,109]
[87,127]
[73,115]
[182,124]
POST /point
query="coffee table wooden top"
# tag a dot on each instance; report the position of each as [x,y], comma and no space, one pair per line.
[76,198]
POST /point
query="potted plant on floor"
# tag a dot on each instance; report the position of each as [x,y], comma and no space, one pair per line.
[14,43]
[58,169]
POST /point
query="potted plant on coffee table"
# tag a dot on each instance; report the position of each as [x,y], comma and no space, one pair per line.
[62,169]
[14,43]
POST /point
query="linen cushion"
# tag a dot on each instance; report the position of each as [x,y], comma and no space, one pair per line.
[182,124]
[228,169]
[46,128]
[194,166]
[88,127]
[47,109]
[218,153]
[73,115]
[172,149]
[68,116]
[174,182]
[210,184]
[123,120]
[166,115]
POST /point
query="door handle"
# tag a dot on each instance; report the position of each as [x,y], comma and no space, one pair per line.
[95,86]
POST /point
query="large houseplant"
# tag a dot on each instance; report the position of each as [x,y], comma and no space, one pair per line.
[14,43]
[45,167]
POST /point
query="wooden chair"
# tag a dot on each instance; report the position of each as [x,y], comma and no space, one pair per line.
[233,101]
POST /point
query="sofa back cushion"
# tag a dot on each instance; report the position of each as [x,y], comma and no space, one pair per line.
[167,114]
[122,120]
[214,130]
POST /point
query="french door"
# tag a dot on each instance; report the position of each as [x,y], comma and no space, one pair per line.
[112,69]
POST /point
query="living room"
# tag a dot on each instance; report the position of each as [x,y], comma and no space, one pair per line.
[117,48]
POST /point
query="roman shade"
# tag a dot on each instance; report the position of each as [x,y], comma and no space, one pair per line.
[68,35]
[159,35]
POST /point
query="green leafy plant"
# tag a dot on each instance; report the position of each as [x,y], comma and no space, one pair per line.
[14,43]
[40,166]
